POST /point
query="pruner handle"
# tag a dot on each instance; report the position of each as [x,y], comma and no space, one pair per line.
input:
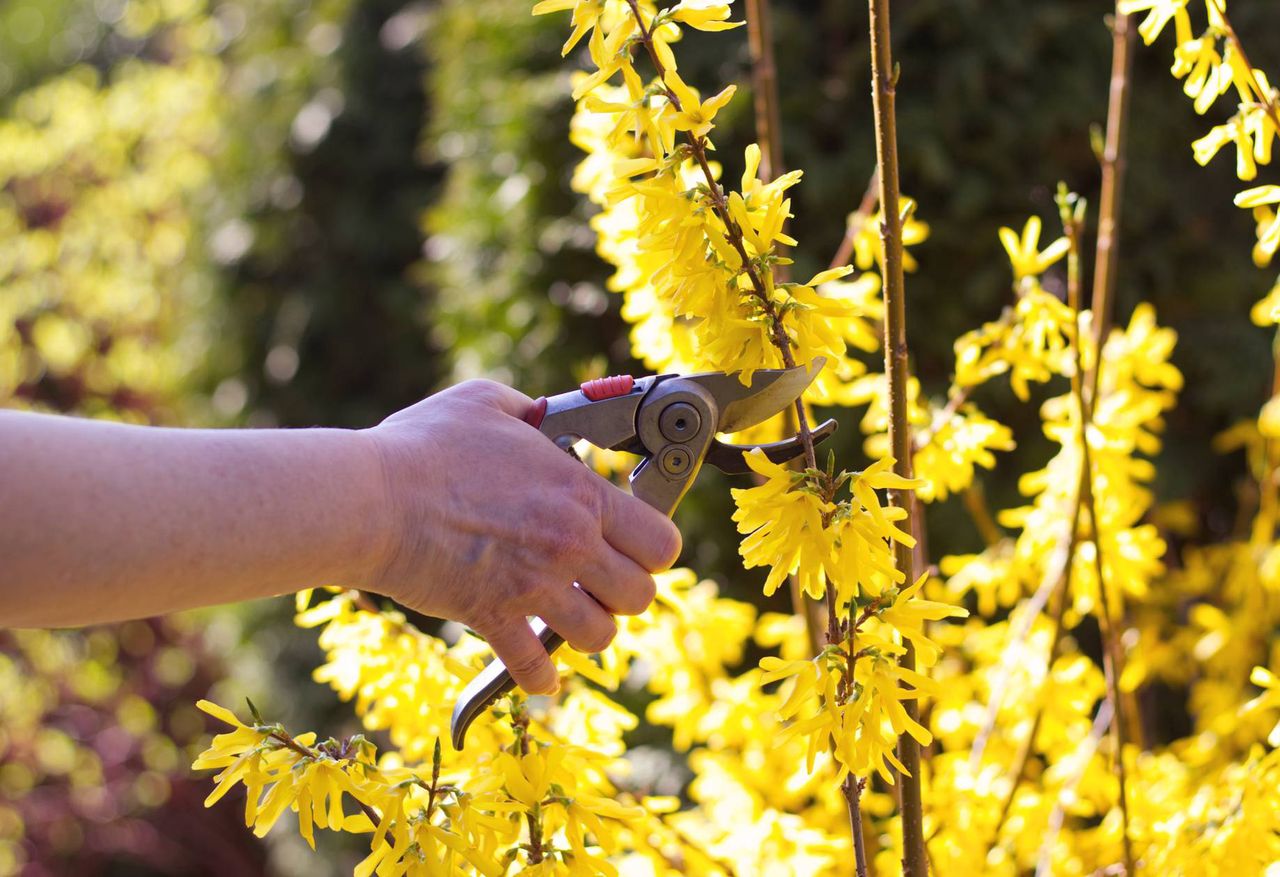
[492,682]
[603,412]
[495,679]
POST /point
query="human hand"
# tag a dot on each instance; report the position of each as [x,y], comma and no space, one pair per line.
[490,523]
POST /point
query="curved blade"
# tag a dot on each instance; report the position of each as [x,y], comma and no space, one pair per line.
[728,458]
[770,391]
[490,684]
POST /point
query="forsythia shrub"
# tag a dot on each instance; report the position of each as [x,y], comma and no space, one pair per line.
[1036,758]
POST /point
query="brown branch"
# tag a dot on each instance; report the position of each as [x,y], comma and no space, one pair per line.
[1110,200]
[1061,596]
[853,795]
[1110,642]
[768,118]
[884,81]
[535,838]
[975,503]
[365,602]
[870,198]
[764,87]
[698,147]
[1050,584]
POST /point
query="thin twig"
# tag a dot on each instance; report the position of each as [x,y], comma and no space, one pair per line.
[870,198]
[764,87]
[1050,583]
[365,602]
[1110,641]
[768,116]
[698,148]
[974,498]
[1044,867]
[853,794]
[1269,102]
[884,82]
[1110,196]
[1061,596]
[284,738]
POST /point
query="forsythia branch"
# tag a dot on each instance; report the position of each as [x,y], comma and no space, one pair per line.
[698,147]
[884,80]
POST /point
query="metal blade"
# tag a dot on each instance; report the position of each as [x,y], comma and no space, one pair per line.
[728,458]
[770,391]
[490,684]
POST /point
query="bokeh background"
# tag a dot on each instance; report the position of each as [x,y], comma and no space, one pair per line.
[286,213]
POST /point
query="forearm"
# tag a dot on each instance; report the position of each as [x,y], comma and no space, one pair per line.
[100,521]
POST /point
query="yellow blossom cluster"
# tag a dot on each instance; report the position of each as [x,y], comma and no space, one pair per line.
[757,802]
[1137,384]
[697,266]
[1029,341]
[1212,65]
[519,793]
[794,529]
[1024,769]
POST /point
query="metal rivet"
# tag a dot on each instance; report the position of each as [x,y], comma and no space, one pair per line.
[675,461]
[680,422]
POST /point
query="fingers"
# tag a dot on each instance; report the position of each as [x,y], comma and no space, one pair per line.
[582,621]
[639,531]
[524,655]
[617,582]
[506,399]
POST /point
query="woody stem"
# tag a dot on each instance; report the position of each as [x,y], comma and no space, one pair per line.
[884,81]
[1106,257]
[698,149]
[1107,618]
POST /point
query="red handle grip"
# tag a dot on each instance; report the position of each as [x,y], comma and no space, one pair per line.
[536,412]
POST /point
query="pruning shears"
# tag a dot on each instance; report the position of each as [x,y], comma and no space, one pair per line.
[671,422]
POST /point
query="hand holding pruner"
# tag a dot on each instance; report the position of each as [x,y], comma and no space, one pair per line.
[671,422]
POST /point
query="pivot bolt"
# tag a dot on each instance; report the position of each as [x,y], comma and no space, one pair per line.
[675,461]
[680,422]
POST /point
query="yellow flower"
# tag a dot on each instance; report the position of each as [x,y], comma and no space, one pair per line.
[1024,252]
[709,15]
[695,116]
[528,780]
[868,247]
[1029,341]
[785,527]
[1268,221]
[949,452]
[907,615]
[586,15]
[1266,312]
[607,53]
[1269,699]
[1159,13]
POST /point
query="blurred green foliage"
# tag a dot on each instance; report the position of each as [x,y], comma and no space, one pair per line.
[294,213]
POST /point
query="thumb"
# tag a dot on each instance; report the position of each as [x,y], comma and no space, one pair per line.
[506,399]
